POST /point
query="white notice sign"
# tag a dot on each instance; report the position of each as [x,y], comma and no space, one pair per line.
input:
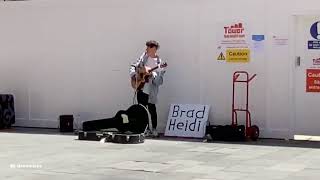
[187,120]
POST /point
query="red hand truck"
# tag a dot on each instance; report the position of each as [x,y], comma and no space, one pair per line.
[251,132]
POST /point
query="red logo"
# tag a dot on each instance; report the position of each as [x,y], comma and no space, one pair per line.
[316,61]
[234,31]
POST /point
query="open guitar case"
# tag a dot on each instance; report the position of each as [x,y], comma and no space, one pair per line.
[130,130]
[114,137]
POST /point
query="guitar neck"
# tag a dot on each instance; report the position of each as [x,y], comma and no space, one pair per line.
[153,69]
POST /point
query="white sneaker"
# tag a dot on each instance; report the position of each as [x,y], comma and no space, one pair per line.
[155,133]
[147,133]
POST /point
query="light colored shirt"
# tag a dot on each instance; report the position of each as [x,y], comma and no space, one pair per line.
[155,81]
[151,63]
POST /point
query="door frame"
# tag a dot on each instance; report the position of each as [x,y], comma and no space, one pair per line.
[292,73]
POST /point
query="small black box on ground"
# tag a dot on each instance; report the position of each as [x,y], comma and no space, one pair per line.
[226,132]
[66,123]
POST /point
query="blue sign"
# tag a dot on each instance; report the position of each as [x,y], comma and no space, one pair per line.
[315,33]
[313,44]
[258,37]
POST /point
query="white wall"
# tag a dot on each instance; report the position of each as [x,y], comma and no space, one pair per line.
[72,56]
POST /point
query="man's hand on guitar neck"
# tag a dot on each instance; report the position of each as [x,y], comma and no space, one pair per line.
[148,74]
[147,68]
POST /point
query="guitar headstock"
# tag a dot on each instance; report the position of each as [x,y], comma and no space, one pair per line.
[163,65]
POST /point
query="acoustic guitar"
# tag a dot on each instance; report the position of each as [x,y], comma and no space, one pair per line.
[142,76]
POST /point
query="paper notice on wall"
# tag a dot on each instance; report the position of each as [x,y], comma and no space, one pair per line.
[280,40]
[258,43]
[258,46]
[231,35]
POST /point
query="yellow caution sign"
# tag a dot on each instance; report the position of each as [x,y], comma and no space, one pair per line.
[238,55]
[221,57]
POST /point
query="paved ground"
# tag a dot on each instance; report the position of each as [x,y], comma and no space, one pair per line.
[35,155]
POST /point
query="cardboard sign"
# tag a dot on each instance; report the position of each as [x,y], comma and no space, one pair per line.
[313,80]
[187,120]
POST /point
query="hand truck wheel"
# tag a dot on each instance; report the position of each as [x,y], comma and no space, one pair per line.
[254,132]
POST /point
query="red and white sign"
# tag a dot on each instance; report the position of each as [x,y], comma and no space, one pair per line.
[313,80]
[234,31]
[231,35]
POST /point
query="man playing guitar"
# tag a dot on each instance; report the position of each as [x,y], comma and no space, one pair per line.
[146,77]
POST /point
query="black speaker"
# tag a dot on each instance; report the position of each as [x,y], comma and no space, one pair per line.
[66,123]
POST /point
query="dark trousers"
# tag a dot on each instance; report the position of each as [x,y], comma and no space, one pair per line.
[143,99]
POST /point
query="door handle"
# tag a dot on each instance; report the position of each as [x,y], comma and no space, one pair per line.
[298,61]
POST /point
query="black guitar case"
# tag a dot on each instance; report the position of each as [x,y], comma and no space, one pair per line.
[115,137]
[130,129]
[127,138]
[7,111]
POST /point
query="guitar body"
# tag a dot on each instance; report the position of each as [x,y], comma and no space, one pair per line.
[142,76]
[140,79]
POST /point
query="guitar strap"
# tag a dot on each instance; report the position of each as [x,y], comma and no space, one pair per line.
[158,60]
[149,119]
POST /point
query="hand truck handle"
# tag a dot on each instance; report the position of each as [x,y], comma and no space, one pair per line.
[252,77]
